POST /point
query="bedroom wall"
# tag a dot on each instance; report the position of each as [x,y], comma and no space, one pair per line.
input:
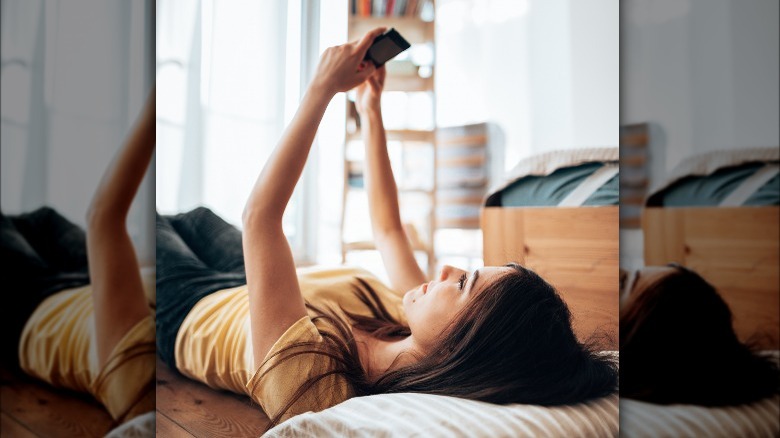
[704,74]
[545,73]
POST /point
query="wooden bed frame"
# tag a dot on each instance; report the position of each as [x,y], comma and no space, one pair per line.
[576,249]
[736,249]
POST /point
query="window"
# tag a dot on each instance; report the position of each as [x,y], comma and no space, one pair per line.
[226,78]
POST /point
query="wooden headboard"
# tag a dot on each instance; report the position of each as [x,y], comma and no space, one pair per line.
[736,249]
[574,248]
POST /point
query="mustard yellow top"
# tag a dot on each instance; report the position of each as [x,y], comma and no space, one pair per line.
[58,346]
[214,342]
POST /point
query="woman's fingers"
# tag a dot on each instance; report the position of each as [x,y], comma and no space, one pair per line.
[367,71]
[365,42]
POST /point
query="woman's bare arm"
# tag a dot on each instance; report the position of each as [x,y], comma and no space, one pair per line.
[275,301]
[389,235]
[117,291]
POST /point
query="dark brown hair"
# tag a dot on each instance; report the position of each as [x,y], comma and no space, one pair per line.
[513,343]
[677,345]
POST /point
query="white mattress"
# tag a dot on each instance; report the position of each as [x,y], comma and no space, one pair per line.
[548,162]
[424,415]
[640,420]
[709,162]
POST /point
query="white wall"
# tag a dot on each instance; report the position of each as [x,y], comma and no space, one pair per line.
[703,72]
[544,71]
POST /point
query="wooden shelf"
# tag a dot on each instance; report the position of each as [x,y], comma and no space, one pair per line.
[467,161]
[403,76]
[413,29]
[459,200]
[470,223]
[400,135]
[412,190]
[367,245]
[408,83]
[476,141]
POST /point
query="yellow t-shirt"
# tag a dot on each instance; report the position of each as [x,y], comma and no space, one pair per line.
[58,346]
[214,344]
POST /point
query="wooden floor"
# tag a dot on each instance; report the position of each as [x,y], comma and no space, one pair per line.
[186,408]
[33,409]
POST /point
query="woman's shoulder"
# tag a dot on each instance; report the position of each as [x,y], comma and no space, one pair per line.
[124,383]
[298,358]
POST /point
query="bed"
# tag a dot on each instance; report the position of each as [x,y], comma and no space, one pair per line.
[557,213]
[425,415]
[539,217]
[718,214]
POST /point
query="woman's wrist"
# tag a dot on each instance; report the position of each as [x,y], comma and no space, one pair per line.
[320,88]
[371,114]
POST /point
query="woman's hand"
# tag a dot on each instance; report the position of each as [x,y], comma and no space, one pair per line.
[341,68]
[369,93]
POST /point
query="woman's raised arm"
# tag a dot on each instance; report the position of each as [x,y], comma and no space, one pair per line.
[389,235]
[275,301]
[117,291]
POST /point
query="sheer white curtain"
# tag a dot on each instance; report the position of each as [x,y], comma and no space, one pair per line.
[74,78]
[542,72]
[222,76]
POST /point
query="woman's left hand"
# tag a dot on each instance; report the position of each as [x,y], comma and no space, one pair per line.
[369,93]
[341,68]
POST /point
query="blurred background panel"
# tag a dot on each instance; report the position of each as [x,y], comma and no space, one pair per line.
[75,75]
[696,77]
[699,157]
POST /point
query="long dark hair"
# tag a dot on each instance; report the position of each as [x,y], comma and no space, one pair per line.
[677,345]
[513,343]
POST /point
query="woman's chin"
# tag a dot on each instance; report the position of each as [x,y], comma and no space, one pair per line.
[408,297]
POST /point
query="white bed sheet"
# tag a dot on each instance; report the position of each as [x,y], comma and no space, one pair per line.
[424,415]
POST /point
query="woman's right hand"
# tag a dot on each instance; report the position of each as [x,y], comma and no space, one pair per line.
[343,67]
[369,93]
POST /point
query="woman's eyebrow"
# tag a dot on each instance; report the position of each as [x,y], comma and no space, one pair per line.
[473,280]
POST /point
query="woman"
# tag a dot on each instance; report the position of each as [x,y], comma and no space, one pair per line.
[307,340]
[79,315]
[677,345]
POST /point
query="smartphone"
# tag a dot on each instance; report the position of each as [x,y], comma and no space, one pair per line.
[386,47]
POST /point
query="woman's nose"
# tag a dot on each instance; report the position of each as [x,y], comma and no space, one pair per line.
[447,271]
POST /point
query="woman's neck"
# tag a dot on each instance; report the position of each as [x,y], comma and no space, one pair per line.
[378,356]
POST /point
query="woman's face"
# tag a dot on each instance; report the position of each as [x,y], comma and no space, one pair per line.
[432,306]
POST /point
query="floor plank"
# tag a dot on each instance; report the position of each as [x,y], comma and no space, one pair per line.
[49,412]
[202,411]
[11,428]
[169,429]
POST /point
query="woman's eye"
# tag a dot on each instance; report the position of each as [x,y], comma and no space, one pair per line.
[462,281]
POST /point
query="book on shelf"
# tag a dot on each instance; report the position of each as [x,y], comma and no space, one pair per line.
[391,8]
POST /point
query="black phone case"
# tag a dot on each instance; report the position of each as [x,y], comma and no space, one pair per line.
[380,52]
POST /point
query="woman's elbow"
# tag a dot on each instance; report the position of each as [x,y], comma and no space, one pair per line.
[256,215]
[100,216]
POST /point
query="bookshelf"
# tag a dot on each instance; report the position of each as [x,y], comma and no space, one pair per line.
[408,107]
